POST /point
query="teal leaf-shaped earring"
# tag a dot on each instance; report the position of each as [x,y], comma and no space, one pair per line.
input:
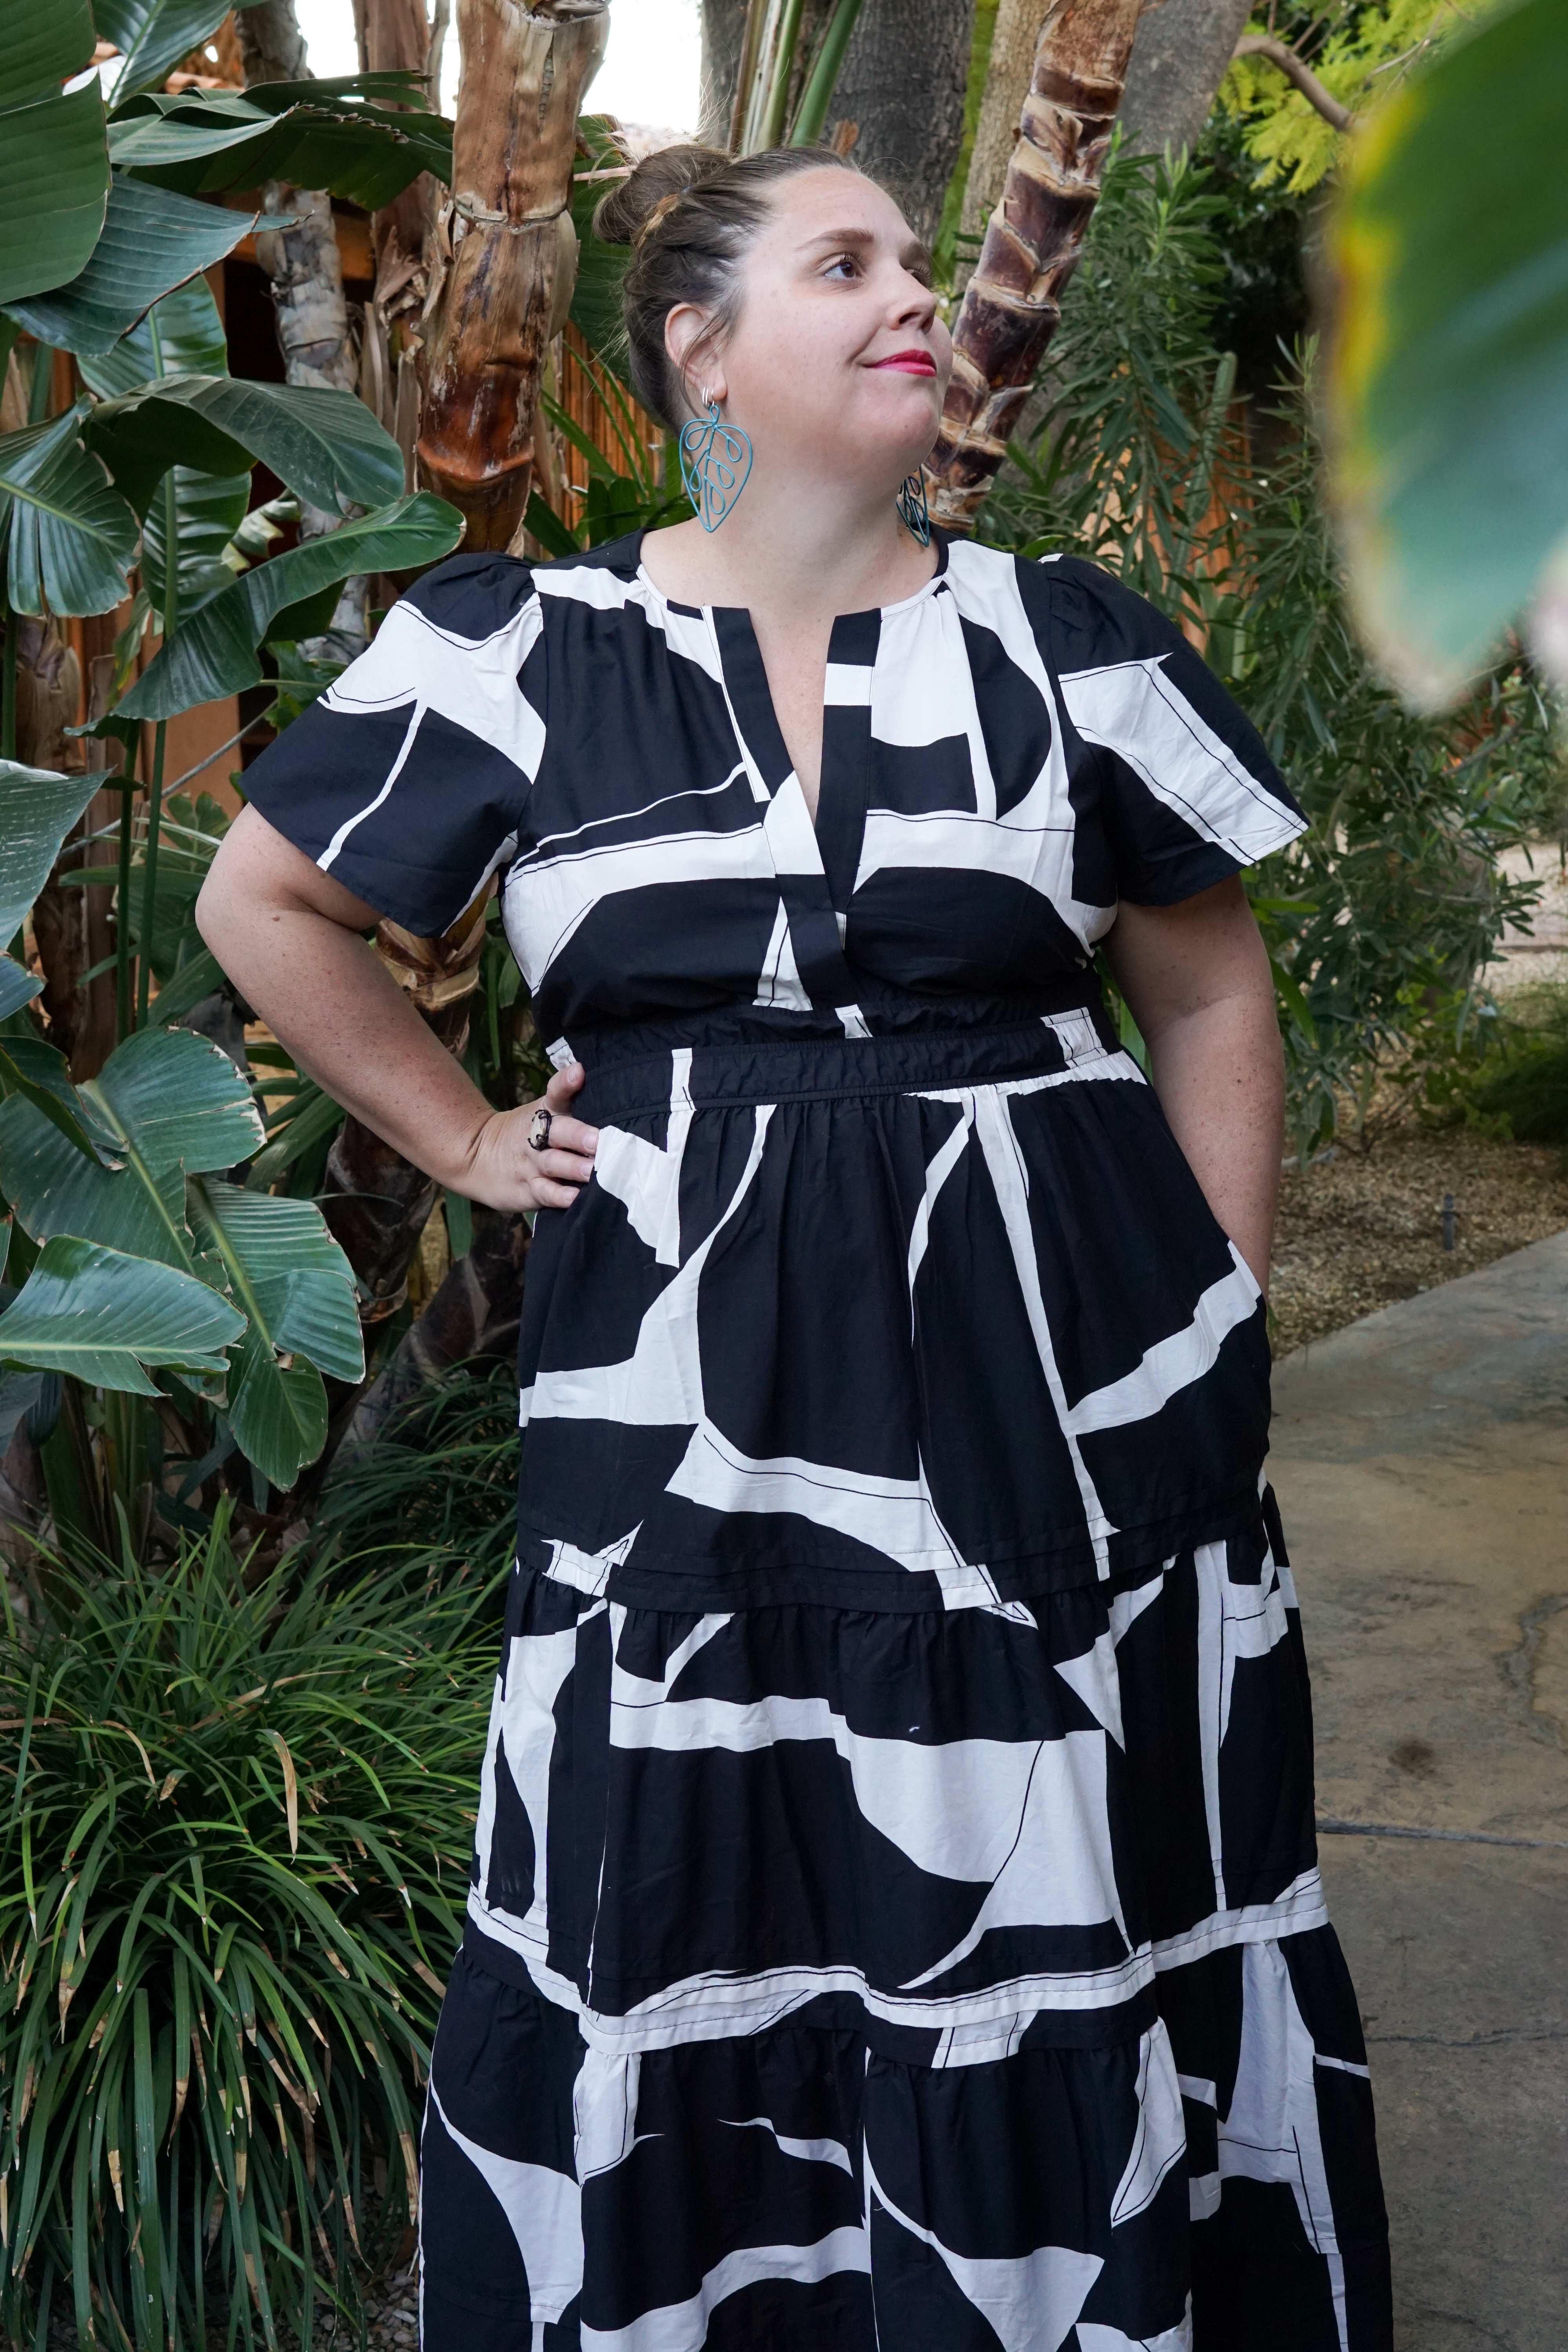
[715,459]
[913,511]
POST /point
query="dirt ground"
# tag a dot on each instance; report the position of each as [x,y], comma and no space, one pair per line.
[1357,1232]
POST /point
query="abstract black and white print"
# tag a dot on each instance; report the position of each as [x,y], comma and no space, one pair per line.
[894,1918]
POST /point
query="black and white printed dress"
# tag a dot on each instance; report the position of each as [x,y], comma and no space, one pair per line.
[894,1920]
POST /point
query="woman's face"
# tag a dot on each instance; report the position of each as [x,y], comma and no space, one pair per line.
[837,361]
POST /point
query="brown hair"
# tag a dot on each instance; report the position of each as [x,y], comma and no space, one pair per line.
[689,214]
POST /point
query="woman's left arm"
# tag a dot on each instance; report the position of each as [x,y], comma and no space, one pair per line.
[1197,979]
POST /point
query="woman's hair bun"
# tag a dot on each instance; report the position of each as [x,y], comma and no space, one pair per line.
[661,178]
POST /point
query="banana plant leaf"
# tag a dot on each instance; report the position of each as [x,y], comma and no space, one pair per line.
[154,34]
[325,446]
[68,538]
[17,987]
[54,160]
[216,653]
[104,1317]
[177,1112]
[208,511]
[30,1068]
[38,809]
[333,136]
[151,241]
[1449,375]
[287,1272]
[181,335]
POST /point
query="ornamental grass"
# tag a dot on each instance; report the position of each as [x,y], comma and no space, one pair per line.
[236,1846]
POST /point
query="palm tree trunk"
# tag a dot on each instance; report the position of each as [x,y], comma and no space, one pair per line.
[1007,77]
[1012,304]
[1179,60]
[306,275]
[474,1315]
[393,35]
[506,254]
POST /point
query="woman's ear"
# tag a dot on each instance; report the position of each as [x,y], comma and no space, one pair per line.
[685,332]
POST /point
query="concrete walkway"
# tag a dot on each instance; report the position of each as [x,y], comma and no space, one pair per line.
[1421,1461]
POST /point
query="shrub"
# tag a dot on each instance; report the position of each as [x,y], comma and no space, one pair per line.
[1528,1082]
[235,1861]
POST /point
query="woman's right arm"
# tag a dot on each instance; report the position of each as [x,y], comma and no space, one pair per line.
[289,939]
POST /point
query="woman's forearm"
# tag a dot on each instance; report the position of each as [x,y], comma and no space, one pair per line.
[1220,1077]
[329,998]
[1197,977]
[288,937]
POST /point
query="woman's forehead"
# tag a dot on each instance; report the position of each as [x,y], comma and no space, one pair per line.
[835,203]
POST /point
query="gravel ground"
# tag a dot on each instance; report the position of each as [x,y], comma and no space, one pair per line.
[1356,1232]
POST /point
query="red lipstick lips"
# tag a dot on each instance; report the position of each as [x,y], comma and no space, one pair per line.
[910,363]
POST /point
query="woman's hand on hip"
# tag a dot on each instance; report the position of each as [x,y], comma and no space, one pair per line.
[506,1172]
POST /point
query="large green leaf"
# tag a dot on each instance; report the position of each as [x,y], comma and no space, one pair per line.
[17,987]
[153,240]
[174,1109]
[294,1286]
[71,537]
[203,142]
[38,809]
[181,335]
[54,162]
[1448,385]
[104,1315]
[168,1104]
[154,34]
[325,446]
[208,511]
[215,654]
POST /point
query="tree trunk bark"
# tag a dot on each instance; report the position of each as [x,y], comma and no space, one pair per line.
[1001,109]
[506,253]
[1012,304]
[474,1314]
[393,35]
[723,30]
[307,279]
[1179,59]
[903,84]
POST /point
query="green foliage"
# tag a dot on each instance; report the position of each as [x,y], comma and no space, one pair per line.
[154,34]
[1381,918]
[1527,1082]
[234,1868]
[68,538]
[54,160]
[104,1317]
[442,1477]
[150,241]
[1449,389]
[1357,51]
[363,137]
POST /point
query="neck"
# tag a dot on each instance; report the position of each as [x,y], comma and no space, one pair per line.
[802,548]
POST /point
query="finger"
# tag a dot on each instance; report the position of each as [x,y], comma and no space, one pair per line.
[563,1166]
[571,1135]
[554,1196]
[563,1084]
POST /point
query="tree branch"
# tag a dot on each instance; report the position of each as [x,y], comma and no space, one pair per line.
[1296,69]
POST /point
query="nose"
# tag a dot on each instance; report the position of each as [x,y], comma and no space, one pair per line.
[914,304]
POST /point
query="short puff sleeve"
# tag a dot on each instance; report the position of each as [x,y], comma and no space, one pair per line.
[407,781]
[1188,794]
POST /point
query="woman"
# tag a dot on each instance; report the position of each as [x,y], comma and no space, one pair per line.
[894,1915]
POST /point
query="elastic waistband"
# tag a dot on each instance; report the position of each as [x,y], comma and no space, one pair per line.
[818,1068]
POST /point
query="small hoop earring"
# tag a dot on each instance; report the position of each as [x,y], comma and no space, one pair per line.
[715,460]
[913,511]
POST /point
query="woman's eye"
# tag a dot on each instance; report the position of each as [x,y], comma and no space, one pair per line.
[844,264]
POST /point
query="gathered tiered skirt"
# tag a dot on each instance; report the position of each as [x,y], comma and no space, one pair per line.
[851,1977]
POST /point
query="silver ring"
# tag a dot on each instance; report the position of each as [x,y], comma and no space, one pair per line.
[539,1127]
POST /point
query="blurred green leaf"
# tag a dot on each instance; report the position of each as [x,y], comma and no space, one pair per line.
[104,1317]
[1449,384]
[343,137]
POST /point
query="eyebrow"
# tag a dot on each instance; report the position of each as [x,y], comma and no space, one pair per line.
[914,251]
